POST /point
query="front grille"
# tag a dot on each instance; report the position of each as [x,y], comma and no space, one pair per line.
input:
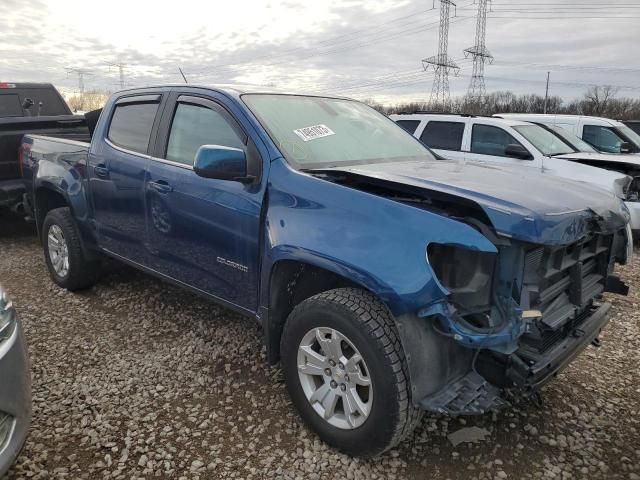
[562,282]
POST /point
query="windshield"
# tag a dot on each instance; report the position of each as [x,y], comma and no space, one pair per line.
[545,141]
[315,132]
[630,134]
[573,140]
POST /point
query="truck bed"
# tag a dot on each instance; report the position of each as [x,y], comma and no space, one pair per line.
[72,127]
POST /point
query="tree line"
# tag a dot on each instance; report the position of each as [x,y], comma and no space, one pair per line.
[596,101]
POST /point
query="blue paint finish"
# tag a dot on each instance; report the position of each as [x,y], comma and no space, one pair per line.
[63,172]
[379,243]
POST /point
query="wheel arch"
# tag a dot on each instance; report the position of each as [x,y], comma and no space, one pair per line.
[46,198]
[291,281]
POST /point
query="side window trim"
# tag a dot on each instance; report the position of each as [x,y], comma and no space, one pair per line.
[203,102]
[128,100]
[139,99]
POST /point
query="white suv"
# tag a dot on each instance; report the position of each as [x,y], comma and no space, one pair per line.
[517,144]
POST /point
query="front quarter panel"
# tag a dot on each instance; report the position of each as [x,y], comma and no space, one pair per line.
[378,243]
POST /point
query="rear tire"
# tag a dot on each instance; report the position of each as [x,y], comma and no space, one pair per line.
[362,326]
[67,264]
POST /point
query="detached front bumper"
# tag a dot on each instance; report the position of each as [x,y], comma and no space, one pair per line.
[531,371]
[15,397]
[460,389]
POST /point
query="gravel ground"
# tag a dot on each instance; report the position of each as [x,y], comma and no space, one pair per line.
[138,379]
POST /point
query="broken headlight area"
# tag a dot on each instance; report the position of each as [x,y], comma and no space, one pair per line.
[473,314]
[468,277]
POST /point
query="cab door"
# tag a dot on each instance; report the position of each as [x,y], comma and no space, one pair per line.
[488,144]
[117,174]
[203,232]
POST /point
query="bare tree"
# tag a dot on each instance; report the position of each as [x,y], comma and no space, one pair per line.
[597,98]
[91,100]
[600,101]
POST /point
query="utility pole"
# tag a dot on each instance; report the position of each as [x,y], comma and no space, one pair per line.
[480,54]
[120,67]
[546,93]
[441,63]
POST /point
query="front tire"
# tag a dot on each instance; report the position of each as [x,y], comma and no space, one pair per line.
[346,372]
[63,253]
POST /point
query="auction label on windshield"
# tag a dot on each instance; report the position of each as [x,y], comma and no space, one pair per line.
[313,132]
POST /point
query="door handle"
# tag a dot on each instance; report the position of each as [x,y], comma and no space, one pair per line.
[101,170]
[161,186]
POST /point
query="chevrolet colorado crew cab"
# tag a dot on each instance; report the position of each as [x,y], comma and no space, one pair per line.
[386,282]
[518,143]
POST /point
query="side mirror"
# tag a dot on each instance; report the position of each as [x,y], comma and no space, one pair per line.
[221,163]
[517,151]
[625,147]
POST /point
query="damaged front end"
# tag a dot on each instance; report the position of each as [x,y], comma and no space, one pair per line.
[524,312]
[503,315]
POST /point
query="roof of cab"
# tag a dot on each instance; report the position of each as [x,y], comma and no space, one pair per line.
[233,89]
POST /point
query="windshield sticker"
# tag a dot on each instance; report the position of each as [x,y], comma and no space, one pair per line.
[313,132]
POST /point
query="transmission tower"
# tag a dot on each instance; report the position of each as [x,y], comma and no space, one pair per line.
[81,74]
[480,54]
[441,63]
[120,67]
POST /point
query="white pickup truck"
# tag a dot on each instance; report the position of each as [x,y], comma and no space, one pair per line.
[604,134]
[517,144]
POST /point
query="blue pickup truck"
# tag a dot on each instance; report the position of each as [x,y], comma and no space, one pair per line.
[387,281]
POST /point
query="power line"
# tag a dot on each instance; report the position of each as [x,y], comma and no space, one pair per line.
[358,41]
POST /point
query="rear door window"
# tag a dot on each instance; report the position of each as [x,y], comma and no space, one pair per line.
[443,135]
[131,125]
[490,140]
[197,125]
[602,138]
[409,125]
[10,105]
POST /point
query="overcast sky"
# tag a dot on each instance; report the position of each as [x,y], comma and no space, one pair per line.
[359,48]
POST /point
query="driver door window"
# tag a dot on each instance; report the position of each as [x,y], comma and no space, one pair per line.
[490,140]
[197,125]
[602,138]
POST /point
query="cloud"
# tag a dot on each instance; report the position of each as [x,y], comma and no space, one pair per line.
[354,47]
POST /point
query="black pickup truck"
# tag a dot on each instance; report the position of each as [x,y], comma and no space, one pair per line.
[30,108]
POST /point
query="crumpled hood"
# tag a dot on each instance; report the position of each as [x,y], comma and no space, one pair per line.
[521,204]
[619,158]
